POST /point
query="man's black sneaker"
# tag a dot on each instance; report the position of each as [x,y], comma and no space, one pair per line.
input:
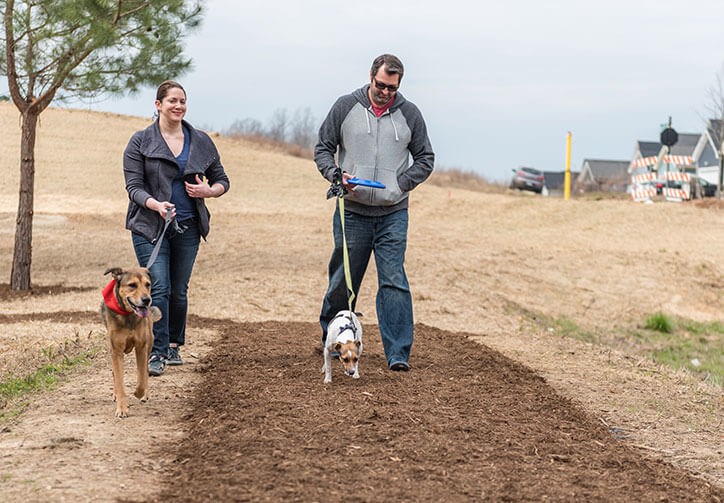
[400,366]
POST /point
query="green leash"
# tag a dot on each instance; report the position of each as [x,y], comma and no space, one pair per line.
[345,254]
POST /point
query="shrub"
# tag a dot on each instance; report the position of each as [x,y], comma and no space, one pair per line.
[660,323]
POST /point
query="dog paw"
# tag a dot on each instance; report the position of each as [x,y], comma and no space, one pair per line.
[327,380]
[121,413]
[355,376]
[141,394]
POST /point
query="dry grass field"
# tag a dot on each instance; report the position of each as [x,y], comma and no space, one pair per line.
[538,297]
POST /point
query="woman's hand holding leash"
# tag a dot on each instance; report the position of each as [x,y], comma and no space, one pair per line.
[162,208]
[167,211]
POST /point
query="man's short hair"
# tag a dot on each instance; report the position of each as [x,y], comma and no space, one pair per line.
[393,65]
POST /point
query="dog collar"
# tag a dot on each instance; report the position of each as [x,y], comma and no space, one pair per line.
[111,300]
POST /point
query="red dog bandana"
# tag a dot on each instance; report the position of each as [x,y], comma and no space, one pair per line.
[109,297]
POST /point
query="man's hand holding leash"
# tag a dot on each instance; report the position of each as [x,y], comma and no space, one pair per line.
[337,189]
[340,184]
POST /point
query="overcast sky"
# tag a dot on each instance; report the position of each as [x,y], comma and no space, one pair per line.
[499,83]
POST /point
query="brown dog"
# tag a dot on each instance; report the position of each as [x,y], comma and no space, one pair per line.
[129,316]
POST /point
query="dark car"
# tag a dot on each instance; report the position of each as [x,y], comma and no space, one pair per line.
[708,189]
[525,178]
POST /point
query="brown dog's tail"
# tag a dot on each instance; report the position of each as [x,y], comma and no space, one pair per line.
[155,314]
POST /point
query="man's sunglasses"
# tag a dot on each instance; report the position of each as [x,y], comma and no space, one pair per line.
[379,85]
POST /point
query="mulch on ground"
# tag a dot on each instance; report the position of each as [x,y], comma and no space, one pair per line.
[465,424]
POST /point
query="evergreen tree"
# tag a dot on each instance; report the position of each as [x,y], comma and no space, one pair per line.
[69,49]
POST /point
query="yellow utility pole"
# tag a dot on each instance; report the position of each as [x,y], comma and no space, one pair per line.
[567,179]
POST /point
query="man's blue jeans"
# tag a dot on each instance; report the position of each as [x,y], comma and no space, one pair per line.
[170,275]
[386,236]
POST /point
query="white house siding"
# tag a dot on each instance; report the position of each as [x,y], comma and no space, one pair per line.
[709,173]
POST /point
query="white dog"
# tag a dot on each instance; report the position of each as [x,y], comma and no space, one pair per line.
[344,335]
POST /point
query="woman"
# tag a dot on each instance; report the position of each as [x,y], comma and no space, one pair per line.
[170,168]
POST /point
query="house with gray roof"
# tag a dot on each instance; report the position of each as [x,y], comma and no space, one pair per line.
[693,152]
[686,144]
[603,175]
[643,149]
[682,151]
[555,180]
[708,151]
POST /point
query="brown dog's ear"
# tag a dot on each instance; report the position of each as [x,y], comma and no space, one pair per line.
[116,272]
[337,346]
[146,272]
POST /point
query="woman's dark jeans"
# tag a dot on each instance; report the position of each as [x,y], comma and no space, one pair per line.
[170,275]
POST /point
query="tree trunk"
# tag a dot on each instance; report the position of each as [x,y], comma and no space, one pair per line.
[22,256]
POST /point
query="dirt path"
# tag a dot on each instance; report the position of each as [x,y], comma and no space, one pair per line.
[466,424]
[68,446]
[245,421]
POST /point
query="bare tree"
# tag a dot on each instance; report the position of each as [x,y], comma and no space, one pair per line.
[296,136]
[246,127]
[715,123]
[303,128]
[278,125]
[65,49]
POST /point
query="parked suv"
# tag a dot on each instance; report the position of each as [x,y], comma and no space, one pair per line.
[707,189]
[525,178]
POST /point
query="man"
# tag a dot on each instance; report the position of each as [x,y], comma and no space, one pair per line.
[374,131]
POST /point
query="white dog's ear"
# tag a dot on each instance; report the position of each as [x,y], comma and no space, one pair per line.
[358,343]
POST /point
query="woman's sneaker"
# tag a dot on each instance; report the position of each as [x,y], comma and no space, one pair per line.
[156,366]
[174,356]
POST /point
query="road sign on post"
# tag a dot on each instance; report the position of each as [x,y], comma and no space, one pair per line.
[669,136]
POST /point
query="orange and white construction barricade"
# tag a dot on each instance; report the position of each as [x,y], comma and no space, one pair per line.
[675,195]
[681,194]
[642,190]
[654,160]
[643,195]
[660,170]
[643,178]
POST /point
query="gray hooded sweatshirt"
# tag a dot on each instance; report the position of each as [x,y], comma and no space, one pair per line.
[376,148]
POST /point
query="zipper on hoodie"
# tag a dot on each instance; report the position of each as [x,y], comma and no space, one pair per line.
[377,152]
